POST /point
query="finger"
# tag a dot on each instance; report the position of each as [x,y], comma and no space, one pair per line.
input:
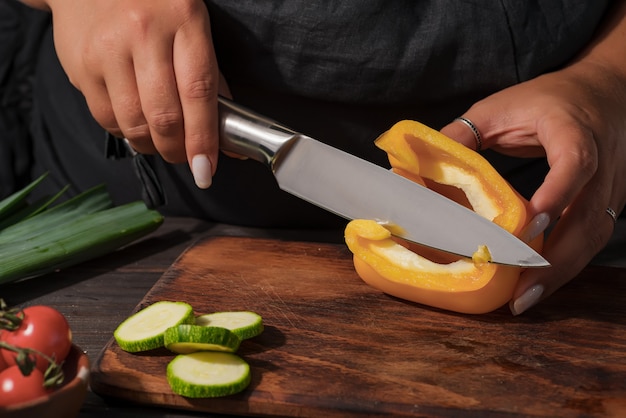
[461,131]
[121,83]
[197,78]
[100,107]
[583,230]
[573,158]
[159,100]
[96,95]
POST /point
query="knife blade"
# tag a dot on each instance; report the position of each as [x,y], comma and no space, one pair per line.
[357,189]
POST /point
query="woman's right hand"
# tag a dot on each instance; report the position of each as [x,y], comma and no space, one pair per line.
[148,71]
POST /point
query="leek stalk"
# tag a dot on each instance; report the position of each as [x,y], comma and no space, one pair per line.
[40,238]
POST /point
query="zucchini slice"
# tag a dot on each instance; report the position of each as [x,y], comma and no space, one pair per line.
[185,338]
[245,324]
[208,374]
[144,330]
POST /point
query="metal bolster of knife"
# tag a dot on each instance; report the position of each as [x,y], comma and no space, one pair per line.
[249,134]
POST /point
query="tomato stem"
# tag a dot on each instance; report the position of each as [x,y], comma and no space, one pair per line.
[10,319]
[26,362]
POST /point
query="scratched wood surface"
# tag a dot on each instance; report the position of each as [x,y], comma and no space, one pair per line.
[335,347]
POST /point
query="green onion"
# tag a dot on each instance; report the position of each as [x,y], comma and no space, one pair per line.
[17,200]
[46,238]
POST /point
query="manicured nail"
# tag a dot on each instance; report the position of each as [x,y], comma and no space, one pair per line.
[536,226]
[528,299]
[201,170]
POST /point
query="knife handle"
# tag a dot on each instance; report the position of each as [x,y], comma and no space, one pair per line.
[247,133]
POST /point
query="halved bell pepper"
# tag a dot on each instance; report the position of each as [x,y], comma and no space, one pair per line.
[425,275]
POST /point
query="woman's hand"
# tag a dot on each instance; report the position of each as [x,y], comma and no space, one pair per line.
[148,71]
[575,117]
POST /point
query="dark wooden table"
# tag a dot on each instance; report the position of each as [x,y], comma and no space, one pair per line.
[96,296]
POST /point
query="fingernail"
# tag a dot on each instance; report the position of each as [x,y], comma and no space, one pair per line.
[201,170]
[536,226]
[528,299]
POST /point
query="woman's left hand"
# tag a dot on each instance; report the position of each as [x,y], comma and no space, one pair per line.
[576,118]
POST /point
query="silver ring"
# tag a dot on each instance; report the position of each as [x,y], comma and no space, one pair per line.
[477,136]
[612,214]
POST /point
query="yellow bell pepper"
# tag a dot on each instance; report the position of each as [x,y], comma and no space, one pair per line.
[425,275]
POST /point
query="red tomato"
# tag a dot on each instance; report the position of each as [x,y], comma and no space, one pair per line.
[16,388]
[3,364]
[43,329]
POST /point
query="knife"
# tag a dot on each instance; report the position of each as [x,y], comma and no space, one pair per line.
[357,189]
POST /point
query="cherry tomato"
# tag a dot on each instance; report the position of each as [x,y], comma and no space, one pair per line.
[43,329]
[3,364]
[16,388]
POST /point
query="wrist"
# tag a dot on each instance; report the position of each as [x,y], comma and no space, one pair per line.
[600,75]
[605,50]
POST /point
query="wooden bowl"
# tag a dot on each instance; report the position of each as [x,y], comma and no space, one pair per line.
[64,402]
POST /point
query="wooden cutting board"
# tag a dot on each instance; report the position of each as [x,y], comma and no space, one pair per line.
[335,347]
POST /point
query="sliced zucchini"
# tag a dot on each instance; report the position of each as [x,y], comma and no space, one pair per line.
[144,330]
[245,324]
[208,374]
[185,338]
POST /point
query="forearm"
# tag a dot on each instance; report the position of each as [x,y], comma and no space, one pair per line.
[607,47]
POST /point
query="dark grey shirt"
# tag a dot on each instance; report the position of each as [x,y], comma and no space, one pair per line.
[342,72]
[397,51]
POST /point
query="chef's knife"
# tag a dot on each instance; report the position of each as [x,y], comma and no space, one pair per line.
[357,189]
